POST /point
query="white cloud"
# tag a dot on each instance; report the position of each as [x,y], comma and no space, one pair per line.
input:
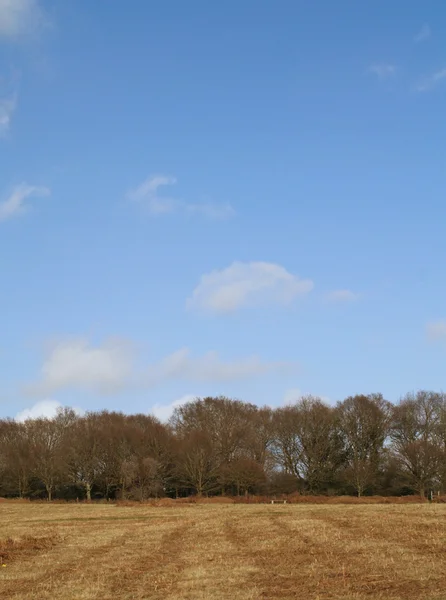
[342,296]
[163,412]
[382,70]
[181,366]
[46,409]
[7,108]
[247,285]
[436,330]
[147,194]
[76,364]
[20,17]
[15,204]
[429,83]
[109,368]
[423,34]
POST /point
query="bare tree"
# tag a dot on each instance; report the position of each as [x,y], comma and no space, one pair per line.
[84,452]
[307,442]
[233,430]
[321,443]
[441,439]
[46,437]
[141,477]
[197,466]
[287,444]
[245,474]
[364,423]
[224,420]
[16,458]
[218,445]
[415,427]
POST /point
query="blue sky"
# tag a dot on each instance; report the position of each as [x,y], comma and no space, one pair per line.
[243,198]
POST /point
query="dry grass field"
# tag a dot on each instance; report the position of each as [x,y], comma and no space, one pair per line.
[236,552]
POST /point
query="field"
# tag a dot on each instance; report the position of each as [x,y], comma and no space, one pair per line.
[218,551]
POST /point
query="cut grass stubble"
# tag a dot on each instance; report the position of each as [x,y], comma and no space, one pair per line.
[228,551]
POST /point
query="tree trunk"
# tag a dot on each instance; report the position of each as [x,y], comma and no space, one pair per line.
[88,491]
[200,486]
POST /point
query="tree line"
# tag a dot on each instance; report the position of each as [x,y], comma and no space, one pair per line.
[216,445]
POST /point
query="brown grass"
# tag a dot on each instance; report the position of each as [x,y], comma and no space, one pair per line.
[223,551]
[290,499]
[16,549]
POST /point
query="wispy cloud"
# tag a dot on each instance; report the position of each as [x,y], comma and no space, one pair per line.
[76,364]
[109,368]
[20,18]
[429,83]
[7,108]
[210,367]
[148,195]
[424,34]
[383,70]
[15,205]
[342,296]
[436,330]
[247,285]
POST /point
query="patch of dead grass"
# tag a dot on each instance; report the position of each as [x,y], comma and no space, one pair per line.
[19,548]
[223,551]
